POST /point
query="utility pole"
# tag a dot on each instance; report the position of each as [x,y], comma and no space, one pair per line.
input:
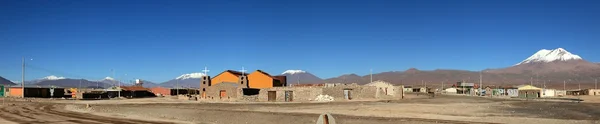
[119,85]
[531,81]
[596,82]
[442,85]
[371,73]
[480,83]
[565,85]
[177,86]
[579,83]
[23,77]
[463,88]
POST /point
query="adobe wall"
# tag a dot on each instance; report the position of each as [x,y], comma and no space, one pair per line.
[394,92]
[304,94]
[213,92]
[300,94]
[356,92]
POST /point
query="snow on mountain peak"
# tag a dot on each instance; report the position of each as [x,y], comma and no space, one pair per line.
[52,77]
[108,78]
[545,55]
[293,72]
[191,75]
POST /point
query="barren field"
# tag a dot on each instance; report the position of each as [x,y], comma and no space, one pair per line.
[413,110]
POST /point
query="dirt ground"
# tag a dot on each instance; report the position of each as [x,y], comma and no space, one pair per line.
[413,110]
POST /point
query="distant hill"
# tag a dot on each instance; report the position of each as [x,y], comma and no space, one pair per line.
[4,81]
[191,80]
[549,67]
[73,83]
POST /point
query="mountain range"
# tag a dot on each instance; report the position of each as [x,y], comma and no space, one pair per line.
[4,81]
[554,68]
[550,67]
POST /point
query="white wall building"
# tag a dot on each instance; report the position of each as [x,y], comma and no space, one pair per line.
[548,93]
[450,90]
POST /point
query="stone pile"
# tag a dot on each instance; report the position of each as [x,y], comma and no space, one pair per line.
[324,98]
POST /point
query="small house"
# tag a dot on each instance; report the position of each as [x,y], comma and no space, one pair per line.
[548,93]
[528,91]
[591,92]
[450,90]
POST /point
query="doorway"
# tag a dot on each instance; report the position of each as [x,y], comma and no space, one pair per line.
[289,96]
[348,94]
[272,96]
[203,93]
[222,94]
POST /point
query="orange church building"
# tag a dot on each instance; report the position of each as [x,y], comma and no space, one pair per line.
[261,79]
[229,76]
[256,79]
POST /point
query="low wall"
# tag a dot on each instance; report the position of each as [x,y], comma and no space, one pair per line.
[299,93]
[303,94]
[356,92]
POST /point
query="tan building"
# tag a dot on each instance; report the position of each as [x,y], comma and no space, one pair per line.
[591,92]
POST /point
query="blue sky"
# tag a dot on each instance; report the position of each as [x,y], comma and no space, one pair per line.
[160,40]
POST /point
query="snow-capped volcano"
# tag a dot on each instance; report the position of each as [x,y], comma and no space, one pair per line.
[190,75]
[108,78]
[52,77]
[545,55]
[293,72]
[299,76]
[185,80]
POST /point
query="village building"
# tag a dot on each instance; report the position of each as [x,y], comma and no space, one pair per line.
[37,91]
[419,90]
[548,93]
[133,92]
[499,92]
[465,88]
[510,91]
[591,92]
[560,93]
[261,79]
[230,85]
[160,91]
[229,76]
[385,89]
[528,91]
[488,91]
[408,89]
[260,86]
[451,90]
[573,92]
